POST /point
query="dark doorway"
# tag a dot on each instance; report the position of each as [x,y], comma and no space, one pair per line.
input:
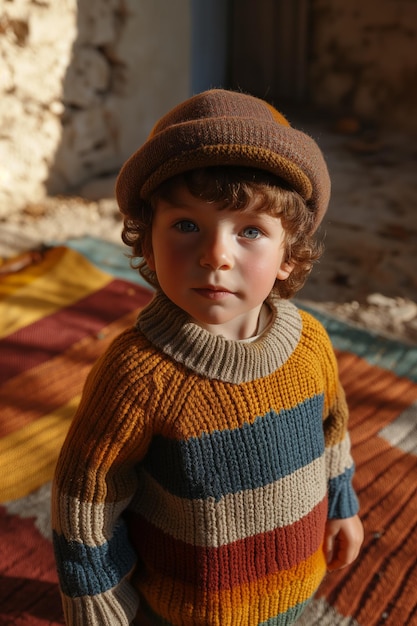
[211,44]
[260,47]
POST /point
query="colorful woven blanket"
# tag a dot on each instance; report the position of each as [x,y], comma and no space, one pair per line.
[60,311]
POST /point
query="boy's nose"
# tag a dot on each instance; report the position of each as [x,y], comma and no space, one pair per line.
[216,253]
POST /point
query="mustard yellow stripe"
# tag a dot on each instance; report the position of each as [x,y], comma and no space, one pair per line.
[67,277]
[282,591]
[285,590]
[9,283]
[28,456]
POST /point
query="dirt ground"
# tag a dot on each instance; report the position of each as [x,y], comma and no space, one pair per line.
[368,274]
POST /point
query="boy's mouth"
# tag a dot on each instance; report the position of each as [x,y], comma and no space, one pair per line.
[212,292]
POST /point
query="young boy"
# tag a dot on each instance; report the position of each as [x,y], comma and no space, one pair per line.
[206,478]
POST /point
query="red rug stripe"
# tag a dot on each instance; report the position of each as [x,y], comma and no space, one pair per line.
[372,588]
[376,579]
[54,334]
[55,382]
[403,607]
[29,592]
[375,397]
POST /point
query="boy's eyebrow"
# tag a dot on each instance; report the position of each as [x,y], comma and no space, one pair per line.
[172,205]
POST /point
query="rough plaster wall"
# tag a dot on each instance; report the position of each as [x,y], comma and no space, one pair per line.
[81,84]
[33,60]
[364,59]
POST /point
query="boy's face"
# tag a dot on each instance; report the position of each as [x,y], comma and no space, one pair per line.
[219,266]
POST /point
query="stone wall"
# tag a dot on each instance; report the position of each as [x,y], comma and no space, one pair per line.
[83,81]
[364,60]
[81,84]
[35,49]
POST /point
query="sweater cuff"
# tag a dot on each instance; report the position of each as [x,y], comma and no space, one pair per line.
[343,501]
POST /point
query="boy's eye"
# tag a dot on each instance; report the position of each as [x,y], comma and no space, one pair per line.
[251,232]
[186,226]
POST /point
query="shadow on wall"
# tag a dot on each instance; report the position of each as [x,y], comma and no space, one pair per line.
[89,143]
[133,61]
[130,62]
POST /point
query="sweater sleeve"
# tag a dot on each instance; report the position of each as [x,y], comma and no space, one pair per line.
[340,467]
[93,484]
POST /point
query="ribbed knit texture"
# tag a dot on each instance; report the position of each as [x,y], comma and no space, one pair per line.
[198,474]
[221,127]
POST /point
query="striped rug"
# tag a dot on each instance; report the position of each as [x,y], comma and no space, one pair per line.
[60,312]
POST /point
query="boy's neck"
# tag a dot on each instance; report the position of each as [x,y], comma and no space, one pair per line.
[241,329]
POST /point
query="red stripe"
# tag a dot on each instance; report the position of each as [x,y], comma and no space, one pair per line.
[55,333]
[231,565]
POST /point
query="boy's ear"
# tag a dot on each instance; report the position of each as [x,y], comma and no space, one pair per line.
[285,270]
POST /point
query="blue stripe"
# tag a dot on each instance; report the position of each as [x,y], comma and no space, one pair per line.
[343,501]
[87,571]
[289,617]
[230,461]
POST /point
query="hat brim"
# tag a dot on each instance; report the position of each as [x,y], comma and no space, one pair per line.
[229,141]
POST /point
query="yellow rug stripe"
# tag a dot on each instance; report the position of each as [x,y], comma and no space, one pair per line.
[9,283]
[28,456]
[59,285]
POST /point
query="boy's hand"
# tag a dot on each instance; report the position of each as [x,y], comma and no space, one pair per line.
[342,541]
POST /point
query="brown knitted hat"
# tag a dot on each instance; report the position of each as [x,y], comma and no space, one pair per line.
[219,127]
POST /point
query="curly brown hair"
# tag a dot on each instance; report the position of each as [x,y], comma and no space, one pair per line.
[234,188]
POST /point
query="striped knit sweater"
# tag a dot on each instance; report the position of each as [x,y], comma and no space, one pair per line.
[198,474]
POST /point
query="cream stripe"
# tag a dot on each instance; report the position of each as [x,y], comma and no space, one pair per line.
[320,612]
[203,522]
[72,278]
[116,606]
[236,516]
[87,523]
[338,458]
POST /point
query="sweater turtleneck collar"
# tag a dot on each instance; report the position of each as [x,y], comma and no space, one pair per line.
[170,329]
